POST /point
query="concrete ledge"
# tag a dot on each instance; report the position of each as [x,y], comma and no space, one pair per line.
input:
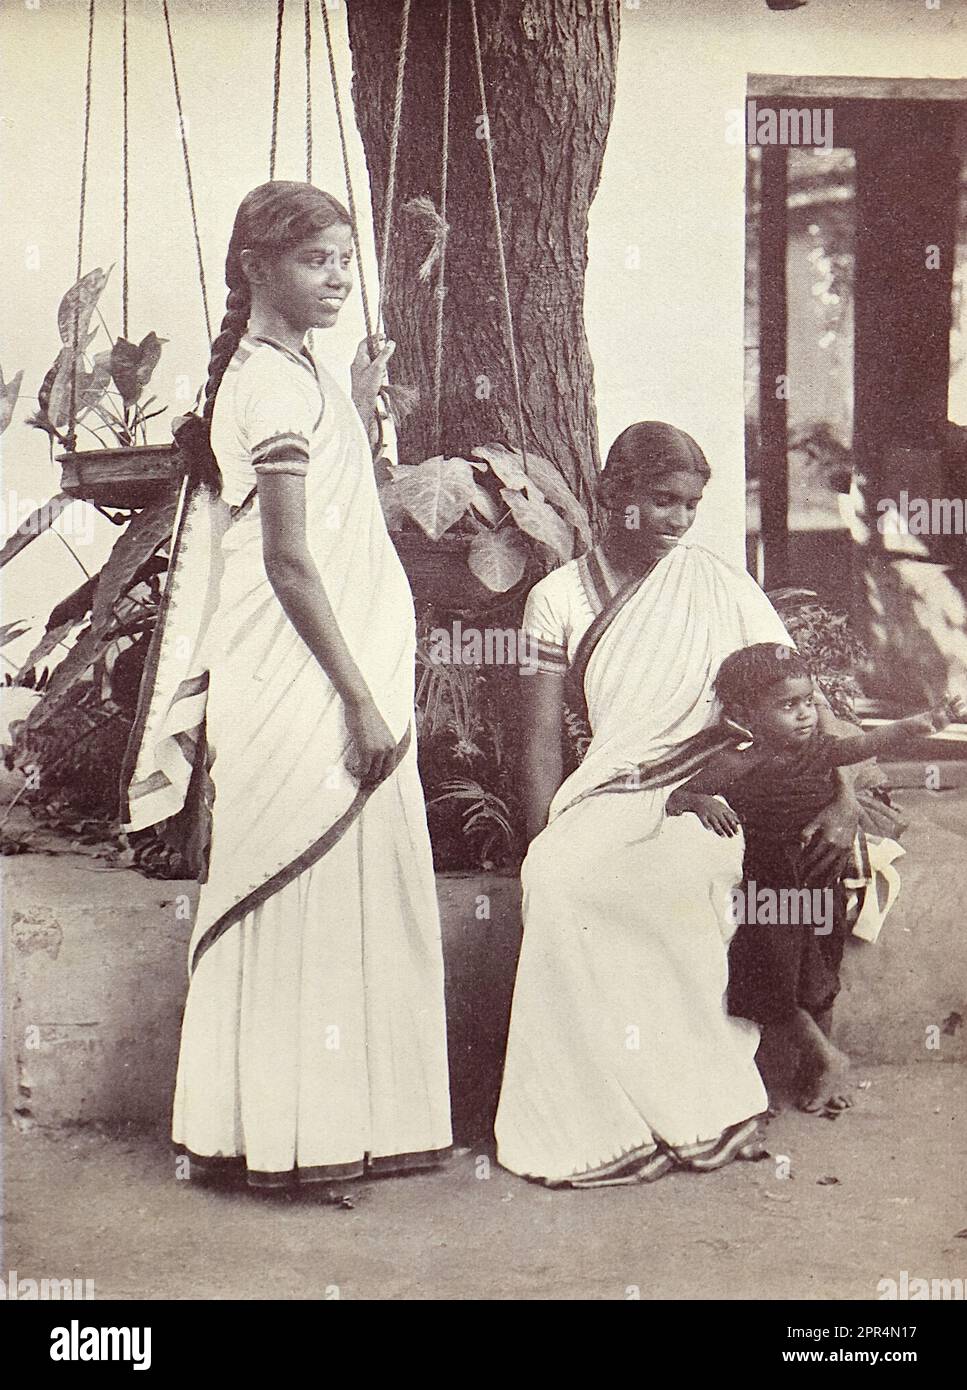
[95,966]
[96,975]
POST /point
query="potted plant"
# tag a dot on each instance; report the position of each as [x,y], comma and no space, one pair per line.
[472,530]
[86,666]
[103,394]
[467,742]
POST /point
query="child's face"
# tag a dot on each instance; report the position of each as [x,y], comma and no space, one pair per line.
[786,713]
[309,283]
[655,516]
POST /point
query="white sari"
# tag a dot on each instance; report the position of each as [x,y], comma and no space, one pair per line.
[314,1039]
[622,1061]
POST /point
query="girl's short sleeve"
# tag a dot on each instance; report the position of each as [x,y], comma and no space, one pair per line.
[546,626]
[279,409]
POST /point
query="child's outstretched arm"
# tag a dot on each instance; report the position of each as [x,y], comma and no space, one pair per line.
[901,731]
[699,793]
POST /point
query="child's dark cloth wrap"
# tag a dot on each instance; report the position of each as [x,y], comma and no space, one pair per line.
[773,969]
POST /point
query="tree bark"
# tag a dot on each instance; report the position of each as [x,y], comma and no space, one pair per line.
[549,74]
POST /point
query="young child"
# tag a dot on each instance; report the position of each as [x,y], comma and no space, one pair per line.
[785,974]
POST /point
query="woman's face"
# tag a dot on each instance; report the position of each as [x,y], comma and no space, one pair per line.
[654,515]
[308,284]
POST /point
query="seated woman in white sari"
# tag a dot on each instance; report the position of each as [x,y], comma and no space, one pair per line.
[314,1041]
[622,1062]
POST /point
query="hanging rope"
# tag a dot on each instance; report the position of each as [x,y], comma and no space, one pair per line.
[308,49]
[124,169]
[276,86]
[441,278]
[350,198]
[72,411]
[393,151]
[502,259]
[184,151]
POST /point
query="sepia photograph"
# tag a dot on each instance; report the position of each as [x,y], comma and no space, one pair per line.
[483,796]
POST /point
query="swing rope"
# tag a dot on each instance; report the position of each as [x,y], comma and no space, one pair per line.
[71,436]
[124,169]
[308,56]
[350,198]
[393,152]
[441,278]
[501,256]
[276,87]
[187,161]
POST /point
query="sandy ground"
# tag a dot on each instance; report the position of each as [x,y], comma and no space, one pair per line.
[108,1207]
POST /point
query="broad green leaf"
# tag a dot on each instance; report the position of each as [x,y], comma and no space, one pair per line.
[542,522]
[435,493]
[141,538]
[149,349]
[505,464]
[498,559]
[485,505]
[9,391]
[47,385]
[59,402]
[555,489]
[81,299]
[48,643]
[9,632]
[125,361]
[92,385]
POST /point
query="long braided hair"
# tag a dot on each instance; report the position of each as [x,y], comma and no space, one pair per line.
[271,219]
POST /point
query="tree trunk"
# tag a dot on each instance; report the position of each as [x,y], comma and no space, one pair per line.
[549,74]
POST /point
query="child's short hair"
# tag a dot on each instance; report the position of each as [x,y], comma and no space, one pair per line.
[744,676]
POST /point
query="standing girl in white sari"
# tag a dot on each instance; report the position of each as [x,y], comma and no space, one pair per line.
[313,1043]
[622,1062]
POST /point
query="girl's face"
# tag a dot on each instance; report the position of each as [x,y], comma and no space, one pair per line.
[655,515]
[308,284]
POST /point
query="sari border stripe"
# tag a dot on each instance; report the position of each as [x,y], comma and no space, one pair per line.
[291,871]
[408,1162]
[191,685]
[599,583]
[154,783]
[675,765]
[234,1165]
[648,1162]
[149,674]
[725,1148]
[613,1169]
[600,624]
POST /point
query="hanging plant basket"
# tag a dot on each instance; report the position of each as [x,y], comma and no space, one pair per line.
[439,576]
[128,476]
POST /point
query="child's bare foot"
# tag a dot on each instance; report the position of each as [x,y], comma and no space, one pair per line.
[829,1090]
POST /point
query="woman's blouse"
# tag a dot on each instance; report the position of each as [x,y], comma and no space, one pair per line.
[562,606]
[268,408]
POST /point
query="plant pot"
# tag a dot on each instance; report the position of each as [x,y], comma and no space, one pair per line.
[128,476]
[439,576]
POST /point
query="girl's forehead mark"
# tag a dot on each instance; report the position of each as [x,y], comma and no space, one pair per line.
[336,240]
[324,248]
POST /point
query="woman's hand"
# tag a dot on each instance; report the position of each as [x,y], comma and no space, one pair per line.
[374,746]
[712,813]
[368,375]
[829,837]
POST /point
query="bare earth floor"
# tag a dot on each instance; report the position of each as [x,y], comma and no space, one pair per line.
[86,1204]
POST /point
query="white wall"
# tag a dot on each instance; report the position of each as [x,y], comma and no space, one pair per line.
[666,338]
